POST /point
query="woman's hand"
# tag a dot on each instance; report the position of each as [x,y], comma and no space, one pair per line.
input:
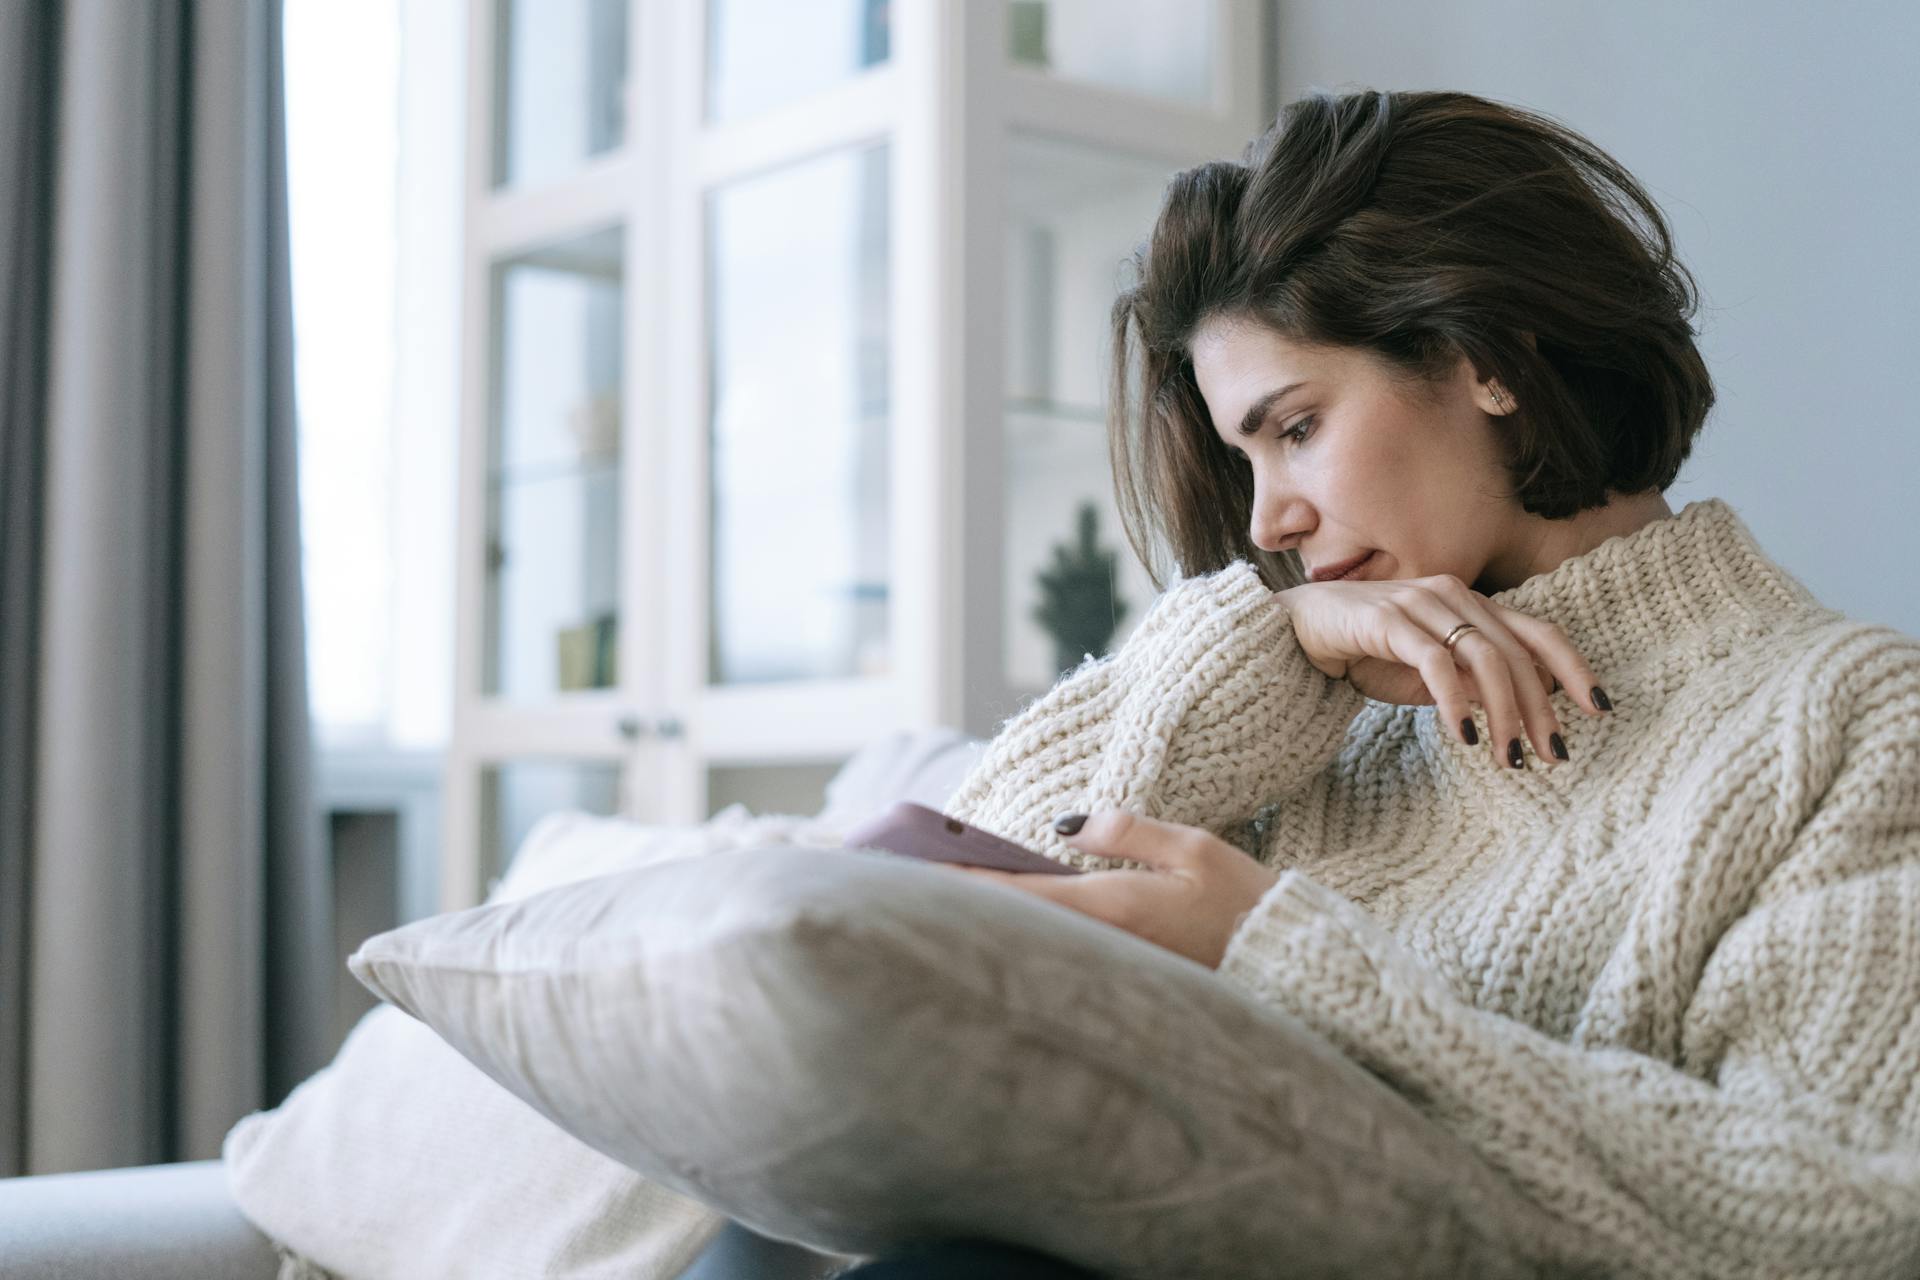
[1386,639]
[1190,901]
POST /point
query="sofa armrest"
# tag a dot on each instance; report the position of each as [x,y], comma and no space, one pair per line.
[741,1253]
[157,1222]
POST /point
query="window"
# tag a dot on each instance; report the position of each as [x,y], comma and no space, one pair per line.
[375,139]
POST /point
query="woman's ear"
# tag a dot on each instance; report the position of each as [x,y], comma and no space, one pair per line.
[1496,398]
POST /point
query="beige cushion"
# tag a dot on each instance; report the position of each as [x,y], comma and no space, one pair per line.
[855,1051]
[401,1160]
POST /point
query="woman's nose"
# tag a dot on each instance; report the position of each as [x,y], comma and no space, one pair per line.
[1276,521]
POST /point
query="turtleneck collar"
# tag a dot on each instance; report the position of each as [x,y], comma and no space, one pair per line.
[1636,592]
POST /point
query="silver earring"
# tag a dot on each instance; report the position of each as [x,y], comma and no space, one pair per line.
[1499,397]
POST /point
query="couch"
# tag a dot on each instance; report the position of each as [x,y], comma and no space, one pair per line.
[178,1222]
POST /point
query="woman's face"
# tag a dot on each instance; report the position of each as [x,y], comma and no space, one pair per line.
[1351,462]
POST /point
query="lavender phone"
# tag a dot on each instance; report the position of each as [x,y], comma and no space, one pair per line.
[916,831]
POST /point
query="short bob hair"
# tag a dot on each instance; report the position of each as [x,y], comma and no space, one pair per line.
[1419,227]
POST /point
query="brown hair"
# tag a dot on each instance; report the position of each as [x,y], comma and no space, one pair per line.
[1419,227]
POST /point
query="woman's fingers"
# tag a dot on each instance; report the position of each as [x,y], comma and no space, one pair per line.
[1417,637]
[1531,690]
[1510,684]
[1415,646]
[1493,674]
[1557,653]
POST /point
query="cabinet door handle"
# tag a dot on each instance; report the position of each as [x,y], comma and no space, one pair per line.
[668,727]
[631,727]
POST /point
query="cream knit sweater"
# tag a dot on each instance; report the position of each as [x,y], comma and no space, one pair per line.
[1670,989]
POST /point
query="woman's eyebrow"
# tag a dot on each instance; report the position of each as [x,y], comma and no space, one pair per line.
[1257,411]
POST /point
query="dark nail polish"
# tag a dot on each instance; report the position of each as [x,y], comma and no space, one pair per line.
[1467,731]
[1069,823]
[1514,757]
[1559,746]
[1601,700]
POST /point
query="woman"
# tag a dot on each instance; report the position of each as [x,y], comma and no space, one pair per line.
[1576,819]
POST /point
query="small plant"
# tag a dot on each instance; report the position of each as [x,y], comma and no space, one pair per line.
[1079,606]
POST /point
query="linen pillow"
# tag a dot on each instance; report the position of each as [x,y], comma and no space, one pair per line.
[854,1051]
[400,1159]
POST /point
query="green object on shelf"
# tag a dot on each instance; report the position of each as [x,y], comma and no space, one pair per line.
[587,654]
[1079,606]
[1027,32]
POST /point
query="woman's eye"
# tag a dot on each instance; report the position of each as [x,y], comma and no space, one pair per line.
[1296,433]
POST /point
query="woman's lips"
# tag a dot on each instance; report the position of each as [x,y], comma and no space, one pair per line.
[1335,572]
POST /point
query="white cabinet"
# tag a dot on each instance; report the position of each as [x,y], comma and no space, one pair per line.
[783,379]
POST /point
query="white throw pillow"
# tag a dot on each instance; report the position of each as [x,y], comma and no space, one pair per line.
[923,765]
[401,1161]
[855,1051]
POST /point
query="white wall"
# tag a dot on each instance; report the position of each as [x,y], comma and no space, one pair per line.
[1781,138]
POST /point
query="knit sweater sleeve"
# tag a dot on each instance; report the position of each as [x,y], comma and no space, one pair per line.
[1786,1141]
[1208,711]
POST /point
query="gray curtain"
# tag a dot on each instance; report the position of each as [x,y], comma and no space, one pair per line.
[164,941]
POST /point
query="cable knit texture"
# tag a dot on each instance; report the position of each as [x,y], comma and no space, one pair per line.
[1671,988]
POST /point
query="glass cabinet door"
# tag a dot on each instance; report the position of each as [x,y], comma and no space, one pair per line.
[798,422]
[514,795]
[553,479]
[1149,47]
[560,86]
[1073,586]
[763,53]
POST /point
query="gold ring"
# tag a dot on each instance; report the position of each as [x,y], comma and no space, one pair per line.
[1453,636]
